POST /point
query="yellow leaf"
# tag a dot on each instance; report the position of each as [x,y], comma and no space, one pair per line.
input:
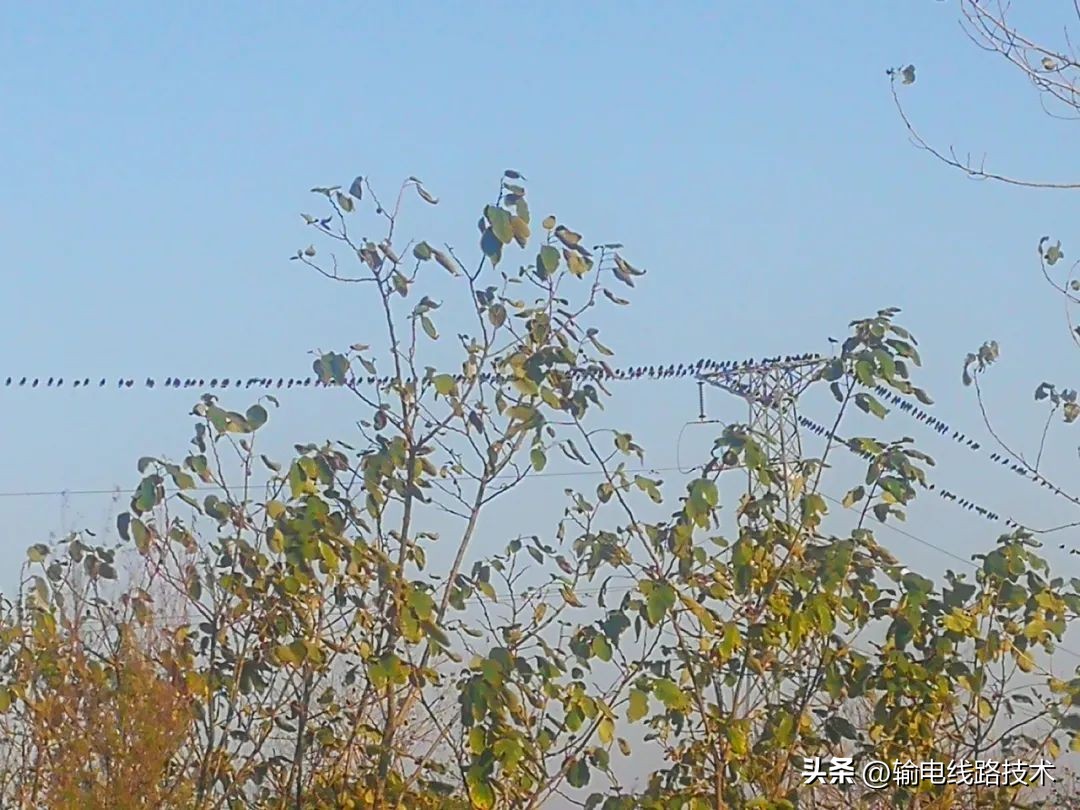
[521,230]
[606,731]
[571,598]
[567,236]
[1053,750]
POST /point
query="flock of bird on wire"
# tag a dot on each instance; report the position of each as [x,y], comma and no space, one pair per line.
[700,369]
[702,366]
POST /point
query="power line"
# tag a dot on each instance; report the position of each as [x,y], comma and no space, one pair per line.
[703,369]
[910,409]
[599,371]
[907,534]
[219,488]
[944,494]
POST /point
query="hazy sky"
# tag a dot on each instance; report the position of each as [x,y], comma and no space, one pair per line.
[156,157]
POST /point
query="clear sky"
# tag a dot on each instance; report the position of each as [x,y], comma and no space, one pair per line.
[156,156]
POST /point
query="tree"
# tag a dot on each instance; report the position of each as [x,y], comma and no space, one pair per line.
[322,660]
[1053,69]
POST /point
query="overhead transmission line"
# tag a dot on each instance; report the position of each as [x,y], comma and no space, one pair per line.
[598,371]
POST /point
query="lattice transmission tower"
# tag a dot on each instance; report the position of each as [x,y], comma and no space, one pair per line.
[771,389]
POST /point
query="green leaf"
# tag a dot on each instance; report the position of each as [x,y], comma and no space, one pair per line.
[669,693]
[501,227]
[346,203]
[141,535]
[704,495]
[1054,254]
[547,261]
[444,384]
[730,642]
[578,775]
[483,796]
[902,632]
[601,648]
[429,327]
[332,368]
[854,496]
[256,416]
[996,564]
[491,246]
[639,705]
[146,496]
[738,740]
[660,600]
[37,552]
[446,262]
[649,487]
[297,480]
[869,404]
[538,458]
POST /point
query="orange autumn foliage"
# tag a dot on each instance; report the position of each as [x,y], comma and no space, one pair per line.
[105,732]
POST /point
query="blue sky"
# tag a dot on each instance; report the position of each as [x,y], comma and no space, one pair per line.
[156,157]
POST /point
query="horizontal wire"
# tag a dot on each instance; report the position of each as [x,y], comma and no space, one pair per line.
[912,410]
[714,370]
[219,487]
[600,371]
[945,494]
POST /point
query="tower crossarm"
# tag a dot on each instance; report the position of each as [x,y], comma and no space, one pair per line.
[768,383]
